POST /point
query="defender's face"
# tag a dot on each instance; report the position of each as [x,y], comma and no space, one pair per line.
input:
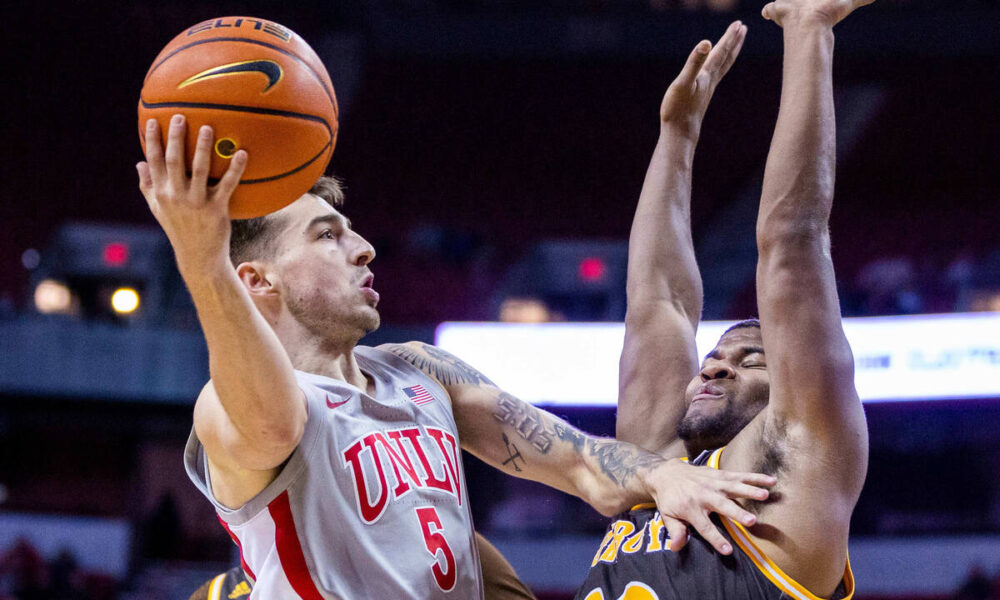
[322,267]
[728,392]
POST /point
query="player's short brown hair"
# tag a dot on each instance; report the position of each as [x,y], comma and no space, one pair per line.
[254,238]
[745,323]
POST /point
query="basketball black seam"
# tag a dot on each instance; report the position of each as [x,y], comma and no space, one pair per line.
[329,95]
[214,180]
[240,108]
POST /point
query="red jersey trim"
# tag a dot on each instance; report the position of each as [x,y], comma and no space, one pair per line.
[286,540]
[236,540]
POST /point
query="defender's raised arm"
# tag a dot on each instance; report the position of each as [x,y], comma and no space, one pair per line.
[664,287]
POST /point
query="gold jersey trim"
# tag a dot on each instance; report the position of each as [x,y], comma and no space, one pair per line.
[215,589]
[766,566]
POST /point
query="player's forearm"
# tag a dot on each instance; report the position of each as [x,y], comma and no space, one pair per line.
[799,177]
[662,272]
[250,370]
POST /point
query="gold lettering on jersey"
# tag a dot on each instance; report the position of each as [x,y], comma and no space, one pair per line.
[600,548]
[622,529]
[635,590]
[634,543]
[655,530]
[622,537]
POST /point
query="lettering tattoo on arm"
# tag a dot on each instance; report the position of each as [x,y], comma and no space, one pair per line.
[443,366]
[617,460]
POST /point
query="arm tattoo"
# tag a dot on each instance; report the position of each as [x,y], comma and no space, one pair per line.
[526,420]
[617,460]
[443,366]
[620,461]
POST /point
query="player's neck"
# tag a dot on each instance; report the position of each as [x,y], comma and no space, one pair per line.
[323,355]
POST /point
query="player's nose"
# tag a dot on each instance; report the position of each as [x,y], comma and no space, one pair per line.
[715,370]
[363,253]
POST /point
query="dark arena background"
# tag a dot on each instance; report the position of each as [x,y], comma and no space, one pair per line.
[493,152]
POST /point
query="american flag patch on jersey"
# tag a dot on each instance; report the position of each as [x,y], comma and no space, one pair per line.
[418,395]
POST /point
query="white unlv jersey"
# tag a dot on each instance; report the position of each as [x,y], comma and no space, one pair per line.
[372,503]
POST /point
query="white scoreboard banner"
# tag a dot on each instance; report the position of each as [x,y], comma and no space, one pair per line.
[924,357]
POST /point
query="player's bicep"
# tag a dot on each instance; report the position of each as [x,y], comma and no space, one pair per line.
[227,445]
[658,360]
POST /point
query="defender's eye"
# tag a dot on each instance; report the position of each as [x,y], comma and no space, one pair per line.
[327,233]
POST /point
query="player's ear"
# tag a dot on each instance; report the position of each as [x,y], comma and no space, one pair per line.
[256,278]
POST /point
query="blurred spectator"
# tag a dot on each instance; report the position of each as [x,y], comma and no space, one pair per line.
[889,287]
[976,585]
[23,572]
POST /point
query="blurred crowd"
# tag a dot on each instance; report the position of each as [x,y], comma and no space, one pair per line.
[26,575]
[979,585]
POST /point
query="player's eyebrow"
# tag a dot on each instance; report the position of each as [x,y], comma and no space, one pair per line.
[329,219]
[743,351]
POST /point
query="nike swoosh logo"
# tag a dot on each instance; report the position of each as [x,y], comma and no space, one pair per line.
[335,404]
[268,68]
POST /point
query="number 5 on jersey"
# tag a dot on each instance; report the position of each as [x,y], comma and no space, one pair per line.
[430,525]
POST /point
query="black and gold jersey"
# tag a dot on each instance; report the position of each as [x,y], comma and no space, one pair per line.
[231,585]
[634,562]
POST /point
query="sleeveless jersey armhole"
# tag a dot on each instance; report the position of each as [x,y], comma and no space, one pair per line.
[766,566]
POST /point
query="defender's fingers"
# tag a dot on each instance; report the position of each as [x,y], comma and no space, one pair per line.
[677,533]
[694,62]
[768,12]
[202,158]
[741,36]
[154,151]
[224,189]
[720,54]
[174,155]
[711,534]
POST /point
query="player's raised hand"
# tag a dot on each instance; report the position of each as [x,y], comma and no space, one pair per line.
[823,12]
[194,214]
[684,105]
[689,494]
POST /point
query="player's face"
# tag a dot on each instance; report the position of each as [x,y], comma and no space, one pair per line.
[322,266]
[728,392]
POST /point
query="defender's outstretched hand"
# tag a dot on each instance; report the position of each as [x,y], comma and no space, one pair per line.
[194,214]
[685,493]
[824,12]
[684,105]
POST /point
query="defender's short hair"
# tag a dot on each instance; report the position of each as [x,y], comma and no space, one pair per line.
[254,238]
[743,324]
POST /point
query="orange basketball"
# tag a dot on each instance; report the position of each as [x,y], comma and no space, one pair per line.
[262,89]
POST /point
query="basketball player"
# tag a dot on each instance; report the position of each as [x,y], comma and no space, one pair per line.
[335,467]
[775,394]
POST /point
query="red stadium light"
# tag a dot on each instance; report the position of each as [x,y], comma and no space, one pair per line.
[115,254]
[592,269]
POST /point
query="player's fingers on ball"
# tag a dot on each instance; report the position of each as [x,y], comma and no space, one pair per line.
[677,532]
[145,179]
[154,150]
[224,189]
[202,161]
[711,533]
[174,155]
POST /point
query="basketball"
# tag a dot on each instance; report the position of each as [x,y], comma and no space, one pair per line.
[262,89]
